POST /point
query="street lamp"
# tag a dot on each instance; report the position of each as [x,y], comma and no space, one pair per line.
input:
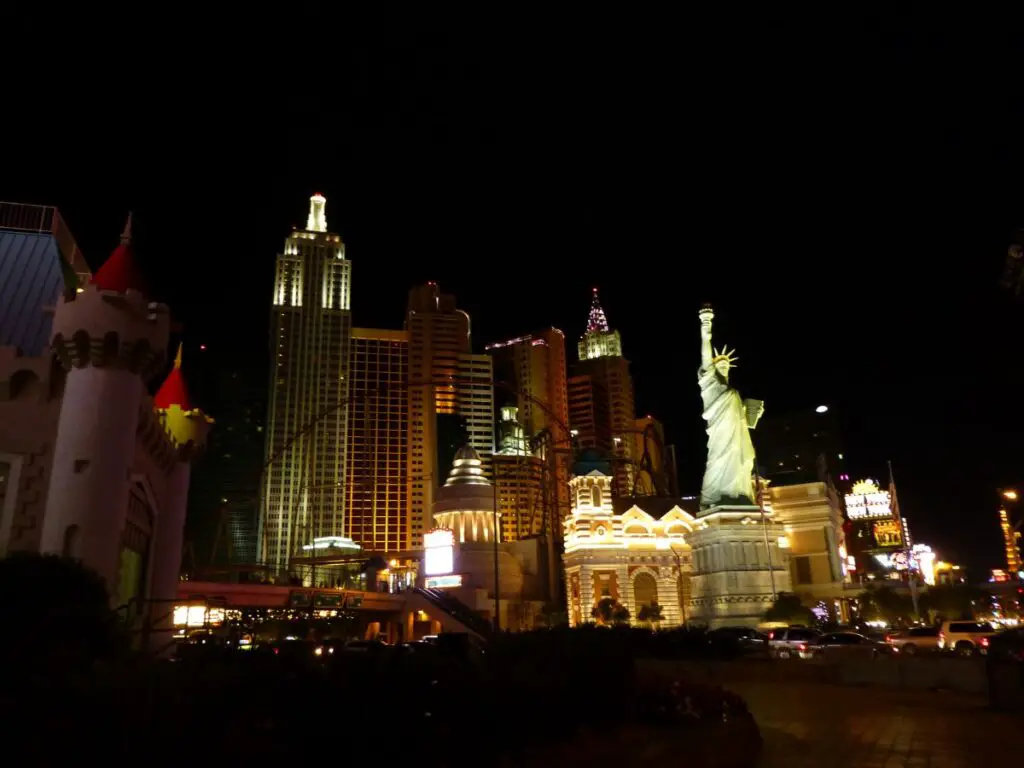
[1010,494]
[821,409]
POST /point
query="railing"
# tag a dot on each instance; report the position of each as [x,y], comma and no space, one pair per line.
[25,217]
[457,610]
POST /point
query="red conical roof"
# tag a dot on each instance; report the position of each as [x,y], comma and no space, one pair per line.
[119,272]
[173,391]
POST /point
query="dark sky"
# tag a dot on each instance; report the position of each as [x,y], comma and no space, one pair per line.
[846,206]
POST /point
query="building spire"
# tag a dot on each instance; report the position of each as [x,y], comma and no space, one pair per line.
[177,357]
[317,219]
[126,235]
[596,321]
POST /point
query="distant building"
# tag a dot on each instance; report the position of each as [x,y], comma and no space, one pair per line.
[602,410]
[1011,542]
[223,504]
[39,262]
[377,469]
[655,461]
[450,396]
[307,414]
[530,375]
[803,446]
[518,479]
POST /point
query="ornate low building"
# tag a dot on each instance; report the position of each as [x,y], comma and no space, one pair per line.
[632,550]
[91,466]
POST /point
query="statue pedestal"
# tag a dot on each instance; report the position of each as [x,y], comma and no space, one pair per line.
[732,583]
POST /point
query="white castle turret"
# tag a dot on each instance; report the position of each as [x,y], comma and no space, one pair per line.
[110,339]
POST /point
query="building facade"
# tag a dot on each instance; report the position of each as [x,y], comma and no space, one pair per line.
[93,467]
[376,477]
[39,262]
[812,522]
[632,551]
[450,398]
[307,414]
[530,375]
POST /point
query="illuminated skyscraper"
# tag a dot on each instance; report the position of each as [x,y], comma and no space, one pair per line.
[1011,542]
[450,396]
[307,413]
[377,479]
[604,408]
[530,373]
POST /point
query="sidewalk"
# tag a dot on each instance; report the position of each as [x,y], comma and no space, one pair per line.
[816,724]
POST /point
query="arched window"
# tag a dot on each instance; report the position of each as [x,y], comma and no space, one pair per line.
[595,496]
[645,590]
[72,537]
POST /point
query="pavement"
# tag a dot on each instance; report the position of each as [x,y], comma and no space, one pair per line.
[821,724]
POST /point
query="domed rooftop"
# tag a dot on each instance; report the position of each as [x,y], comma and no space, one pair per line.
[467,469]
[466,487]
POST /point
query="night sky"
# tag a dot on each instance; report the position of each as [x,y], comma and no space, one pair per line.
[845,206]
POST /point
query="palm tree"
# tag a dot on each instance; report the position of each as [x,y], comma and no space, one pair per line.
[650,613]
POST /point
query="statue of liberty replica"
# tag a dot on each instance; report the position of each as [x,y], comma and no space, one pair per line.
[728,474]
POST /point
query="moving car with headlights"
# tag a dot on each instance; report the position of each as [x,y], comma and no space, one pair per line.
[965,638]
[849,645]
[792,643]
[914,640]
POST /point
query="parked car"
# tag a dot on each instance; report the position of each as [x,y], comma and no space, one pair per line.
[965,638]
[792,642]
[741,639]
[1005,669]
[914,640]
[1007,646]
[850,645]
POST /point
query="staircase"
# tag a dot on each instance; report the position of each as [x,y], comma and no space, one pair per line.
[456,616]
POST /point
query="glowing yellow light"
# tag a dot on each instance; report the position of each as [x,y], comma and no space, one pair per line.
[1010,495]
[393,563]
[783,542]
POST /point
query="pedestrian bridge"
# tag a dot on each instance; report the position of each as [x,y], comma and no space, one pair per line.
[402,616]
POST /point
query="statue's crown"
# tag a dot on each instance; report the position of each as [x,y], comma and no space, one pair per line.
[725,354]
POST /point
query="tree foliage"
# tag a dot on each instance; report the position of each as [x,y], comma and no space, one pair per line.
[651,613]
[789,609]
[885,604]
[64,615]
[610,611]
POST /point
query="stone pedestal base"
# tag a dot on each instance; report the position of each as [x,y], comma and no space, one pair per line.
[732,582]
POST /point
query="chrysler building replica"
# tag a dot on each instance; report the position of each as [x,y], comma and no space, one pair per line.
[92,467]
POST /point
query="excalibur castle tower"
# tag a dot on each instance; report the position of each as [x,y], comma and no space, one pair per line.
[91,467]
[307,413]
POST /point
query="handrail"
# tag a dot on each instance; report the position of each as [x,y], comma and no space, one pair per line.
[45,219]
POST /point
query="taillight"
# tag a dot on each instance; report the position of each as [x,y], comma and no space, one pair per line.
[984,642]
[888,638]
[942,637]
[802,647]
[771,635]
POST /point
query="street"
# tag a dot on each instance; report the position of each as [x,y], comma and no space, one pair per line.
[816,724]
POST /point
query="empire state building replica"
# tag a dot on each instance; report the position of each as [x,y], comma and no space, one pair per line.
[307,413]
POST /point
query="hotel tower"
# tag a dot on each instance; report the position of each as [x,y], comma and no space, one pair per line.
[307,413]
